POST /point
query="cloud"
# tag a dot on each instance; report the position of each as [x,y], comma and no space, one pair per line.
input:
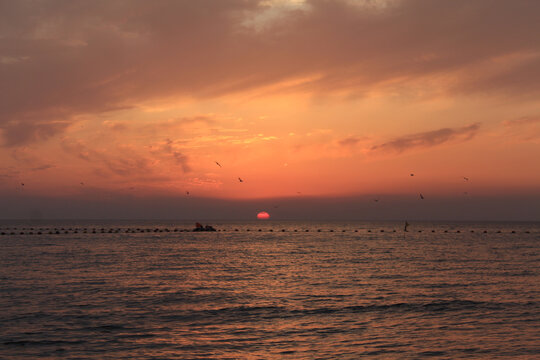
[53,60]
[426,139]
[18,133]
[522,121]
[352,141]
[43,167]
[526,128]
[178,157]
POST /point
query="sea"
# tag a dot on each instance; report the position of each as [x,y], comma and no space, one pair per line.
[269,290]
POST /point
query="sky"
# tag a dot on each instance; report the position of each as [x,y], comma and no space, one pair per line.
[324,109]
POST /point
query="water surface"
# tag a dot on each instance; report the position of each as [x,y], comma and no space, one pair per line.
[337,290]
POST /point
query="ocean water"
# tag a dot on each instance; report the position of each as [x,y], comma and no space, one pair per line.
[148,290]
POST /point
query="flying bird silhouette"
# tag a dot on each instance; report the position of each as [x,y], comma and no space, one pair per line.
[412,174]
[466,178]
[187,192]
[218,164]
[421,197]
[240,180]
[22,184]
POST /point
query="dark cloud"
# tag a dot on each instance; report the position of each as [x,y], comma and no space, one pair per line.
[17,133]
[178,157]
[426,139]
[351,141]
[64,58]
[43,167]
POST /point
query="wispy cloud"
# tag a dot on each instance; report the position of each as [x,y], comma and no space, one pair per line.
[522,121]
[352,141]
[18,133]
[526,128]
[43,167]
[178,157]
[427,139]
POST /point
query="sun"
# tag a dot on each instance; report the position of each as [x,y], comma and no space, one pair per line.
[263,215]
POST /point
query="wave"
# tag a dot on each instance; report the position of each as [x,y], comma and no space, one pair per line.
[249,313]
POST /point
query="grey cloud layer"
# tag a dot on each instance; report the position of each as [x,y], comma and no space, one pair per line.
[426,139]
[64,58]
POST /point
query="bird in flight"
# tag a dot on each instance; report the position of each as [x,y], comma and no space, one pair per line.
[82,183]
[218,164]
[421,197]
[412,174]
[465,178]
[187,192]
[376,200]
[239,179]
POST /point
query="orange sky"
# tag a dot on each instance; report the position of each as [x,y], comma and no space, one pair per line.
[297,98]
